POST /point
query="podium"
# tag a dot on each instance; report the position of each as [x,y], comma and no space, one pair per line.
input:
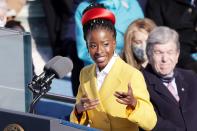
[16,69]
[31,122]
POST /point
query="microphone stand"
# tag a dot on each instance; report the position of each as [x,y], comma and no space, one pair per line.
[37,94]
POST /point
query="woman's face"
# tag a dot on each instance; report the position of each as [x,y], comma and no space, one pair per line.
[138,45]
[140,36]
[101,46]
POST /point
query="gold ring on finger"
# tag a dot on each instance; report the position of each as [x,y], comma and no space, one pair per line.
[85,105]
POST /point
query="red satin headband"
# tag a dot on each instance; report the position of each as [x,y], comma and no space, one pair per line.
[95,13]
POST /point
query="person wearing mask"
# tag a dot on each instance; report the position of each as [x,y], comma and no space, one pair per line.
[172,90]
[125,12]
[134,51]
[112,95]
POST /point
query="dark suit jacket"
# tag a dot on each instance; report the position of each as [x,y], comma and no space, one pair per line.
[174,116]
[178,15]
[55,11]
[142,4]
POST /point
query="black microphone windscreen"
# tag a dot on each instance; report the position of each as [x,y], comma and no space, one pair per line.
[51,62]
[61,67]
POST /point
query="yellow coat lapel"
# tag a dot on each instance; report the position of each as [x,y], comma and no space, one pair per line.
[90,87]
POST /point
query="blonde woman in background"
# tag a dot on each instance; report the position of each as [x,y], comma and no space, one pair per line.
[134,51]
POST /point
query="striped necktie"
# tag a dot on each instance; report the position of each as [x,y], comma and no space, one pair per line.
[172,91]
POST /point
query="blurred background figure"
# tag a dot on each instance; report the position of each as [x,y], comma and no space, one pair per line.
[131,11]
[8,12]
[15,6]
[3,11]
[134,52]
[15,25]
[57,13]
[143,4]
[60,25]
[180,15]
[9,9]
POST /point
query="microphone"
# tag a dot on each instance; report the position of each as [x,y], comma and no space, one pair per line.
[46,67]
[57,67]
[58,70]
[51,62]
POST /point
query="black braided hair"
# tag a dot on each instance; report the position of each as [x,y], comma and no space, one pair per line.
[98,23]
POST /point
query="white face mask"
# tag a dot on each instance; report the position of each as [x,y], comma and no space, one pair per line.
[3,21]
[139,50]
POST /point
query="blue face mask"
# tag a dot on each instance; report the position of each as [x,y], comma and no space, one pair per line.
[139,51]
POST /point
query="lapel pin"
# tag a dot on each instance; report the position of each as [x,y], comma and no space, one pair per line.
[182,89]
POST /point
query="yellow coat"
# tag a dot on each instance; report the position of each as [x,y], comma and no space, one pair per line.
[109,114]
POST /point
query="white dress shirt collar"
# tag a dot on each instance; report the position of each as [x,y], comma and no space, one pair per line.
[103,73]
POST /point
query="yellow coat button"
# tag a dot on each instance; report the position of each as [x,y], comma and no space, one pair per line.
[90,121]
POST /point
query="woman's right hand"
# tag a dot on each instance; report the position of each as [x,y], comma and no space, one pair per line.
[86,104]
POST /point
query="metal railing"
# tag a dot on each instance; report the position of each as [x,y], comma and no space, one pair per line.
[62,98]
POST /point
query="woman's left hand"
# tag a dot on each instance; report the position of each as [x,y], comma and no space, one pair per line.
[126,98]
